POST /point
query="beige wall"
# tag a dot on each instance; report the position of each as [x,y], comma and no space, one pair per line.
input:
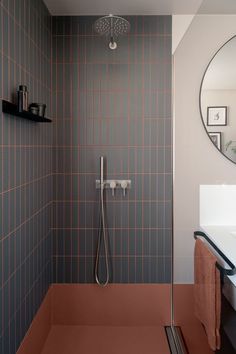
[196,160]
[180,24]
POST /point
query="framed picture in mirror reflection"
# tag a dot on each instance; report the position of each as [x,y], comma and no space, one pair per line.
[217,116]
[216,139]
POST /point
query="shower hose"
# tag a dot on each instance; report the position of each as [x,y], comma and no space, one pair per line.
[102,236]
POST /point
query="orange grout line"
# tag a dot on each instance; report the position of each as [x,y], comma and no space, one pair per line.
[112,201]
[97,35]
[111,228]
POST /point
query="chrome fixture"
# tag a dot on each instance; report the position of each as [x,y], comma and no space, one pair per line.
[123,184]
[113,186]
[102,235]
[112,27]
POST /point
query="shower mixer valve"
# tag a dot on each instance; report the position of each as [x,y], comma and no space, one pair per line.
[124,185]
[115,184]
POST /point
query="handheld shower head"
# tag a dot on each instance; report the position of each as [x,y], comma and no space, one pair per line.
[112,26]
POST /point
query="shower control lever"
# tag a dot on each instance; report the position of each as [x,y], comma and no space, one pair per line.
[113,186]
[124,186]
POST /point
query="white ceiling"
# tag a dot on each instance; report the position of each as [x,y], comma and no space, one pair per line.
[224,7]
[122,7]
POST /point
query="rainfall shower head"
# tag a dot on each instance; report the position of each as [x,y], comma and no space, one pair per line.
[112,26]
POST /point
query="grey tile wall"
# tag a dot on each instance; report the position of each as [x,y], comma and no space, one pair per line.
[26,170]
[116,104]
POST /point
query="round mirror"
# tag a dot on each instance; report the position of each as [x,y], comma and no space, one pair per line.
[218,99]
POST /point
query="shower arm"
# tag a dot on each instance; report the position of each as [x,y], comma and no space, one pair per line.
[112,31]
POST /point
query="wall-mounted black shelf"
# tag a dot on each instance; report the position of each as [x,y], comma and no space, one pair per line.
[11,108]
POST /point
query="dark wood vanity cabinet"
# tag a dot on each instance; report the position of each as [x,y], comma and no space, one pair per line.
[228,328]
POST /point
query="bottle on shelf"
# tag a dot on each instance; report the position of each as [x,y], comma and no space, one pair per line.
[22,103]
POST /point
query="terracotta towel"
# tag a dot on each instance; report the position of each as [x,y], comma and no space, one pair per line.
[207,292]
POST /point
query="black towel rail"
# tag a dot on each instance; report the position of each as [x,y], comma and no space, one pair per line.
[224,271]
